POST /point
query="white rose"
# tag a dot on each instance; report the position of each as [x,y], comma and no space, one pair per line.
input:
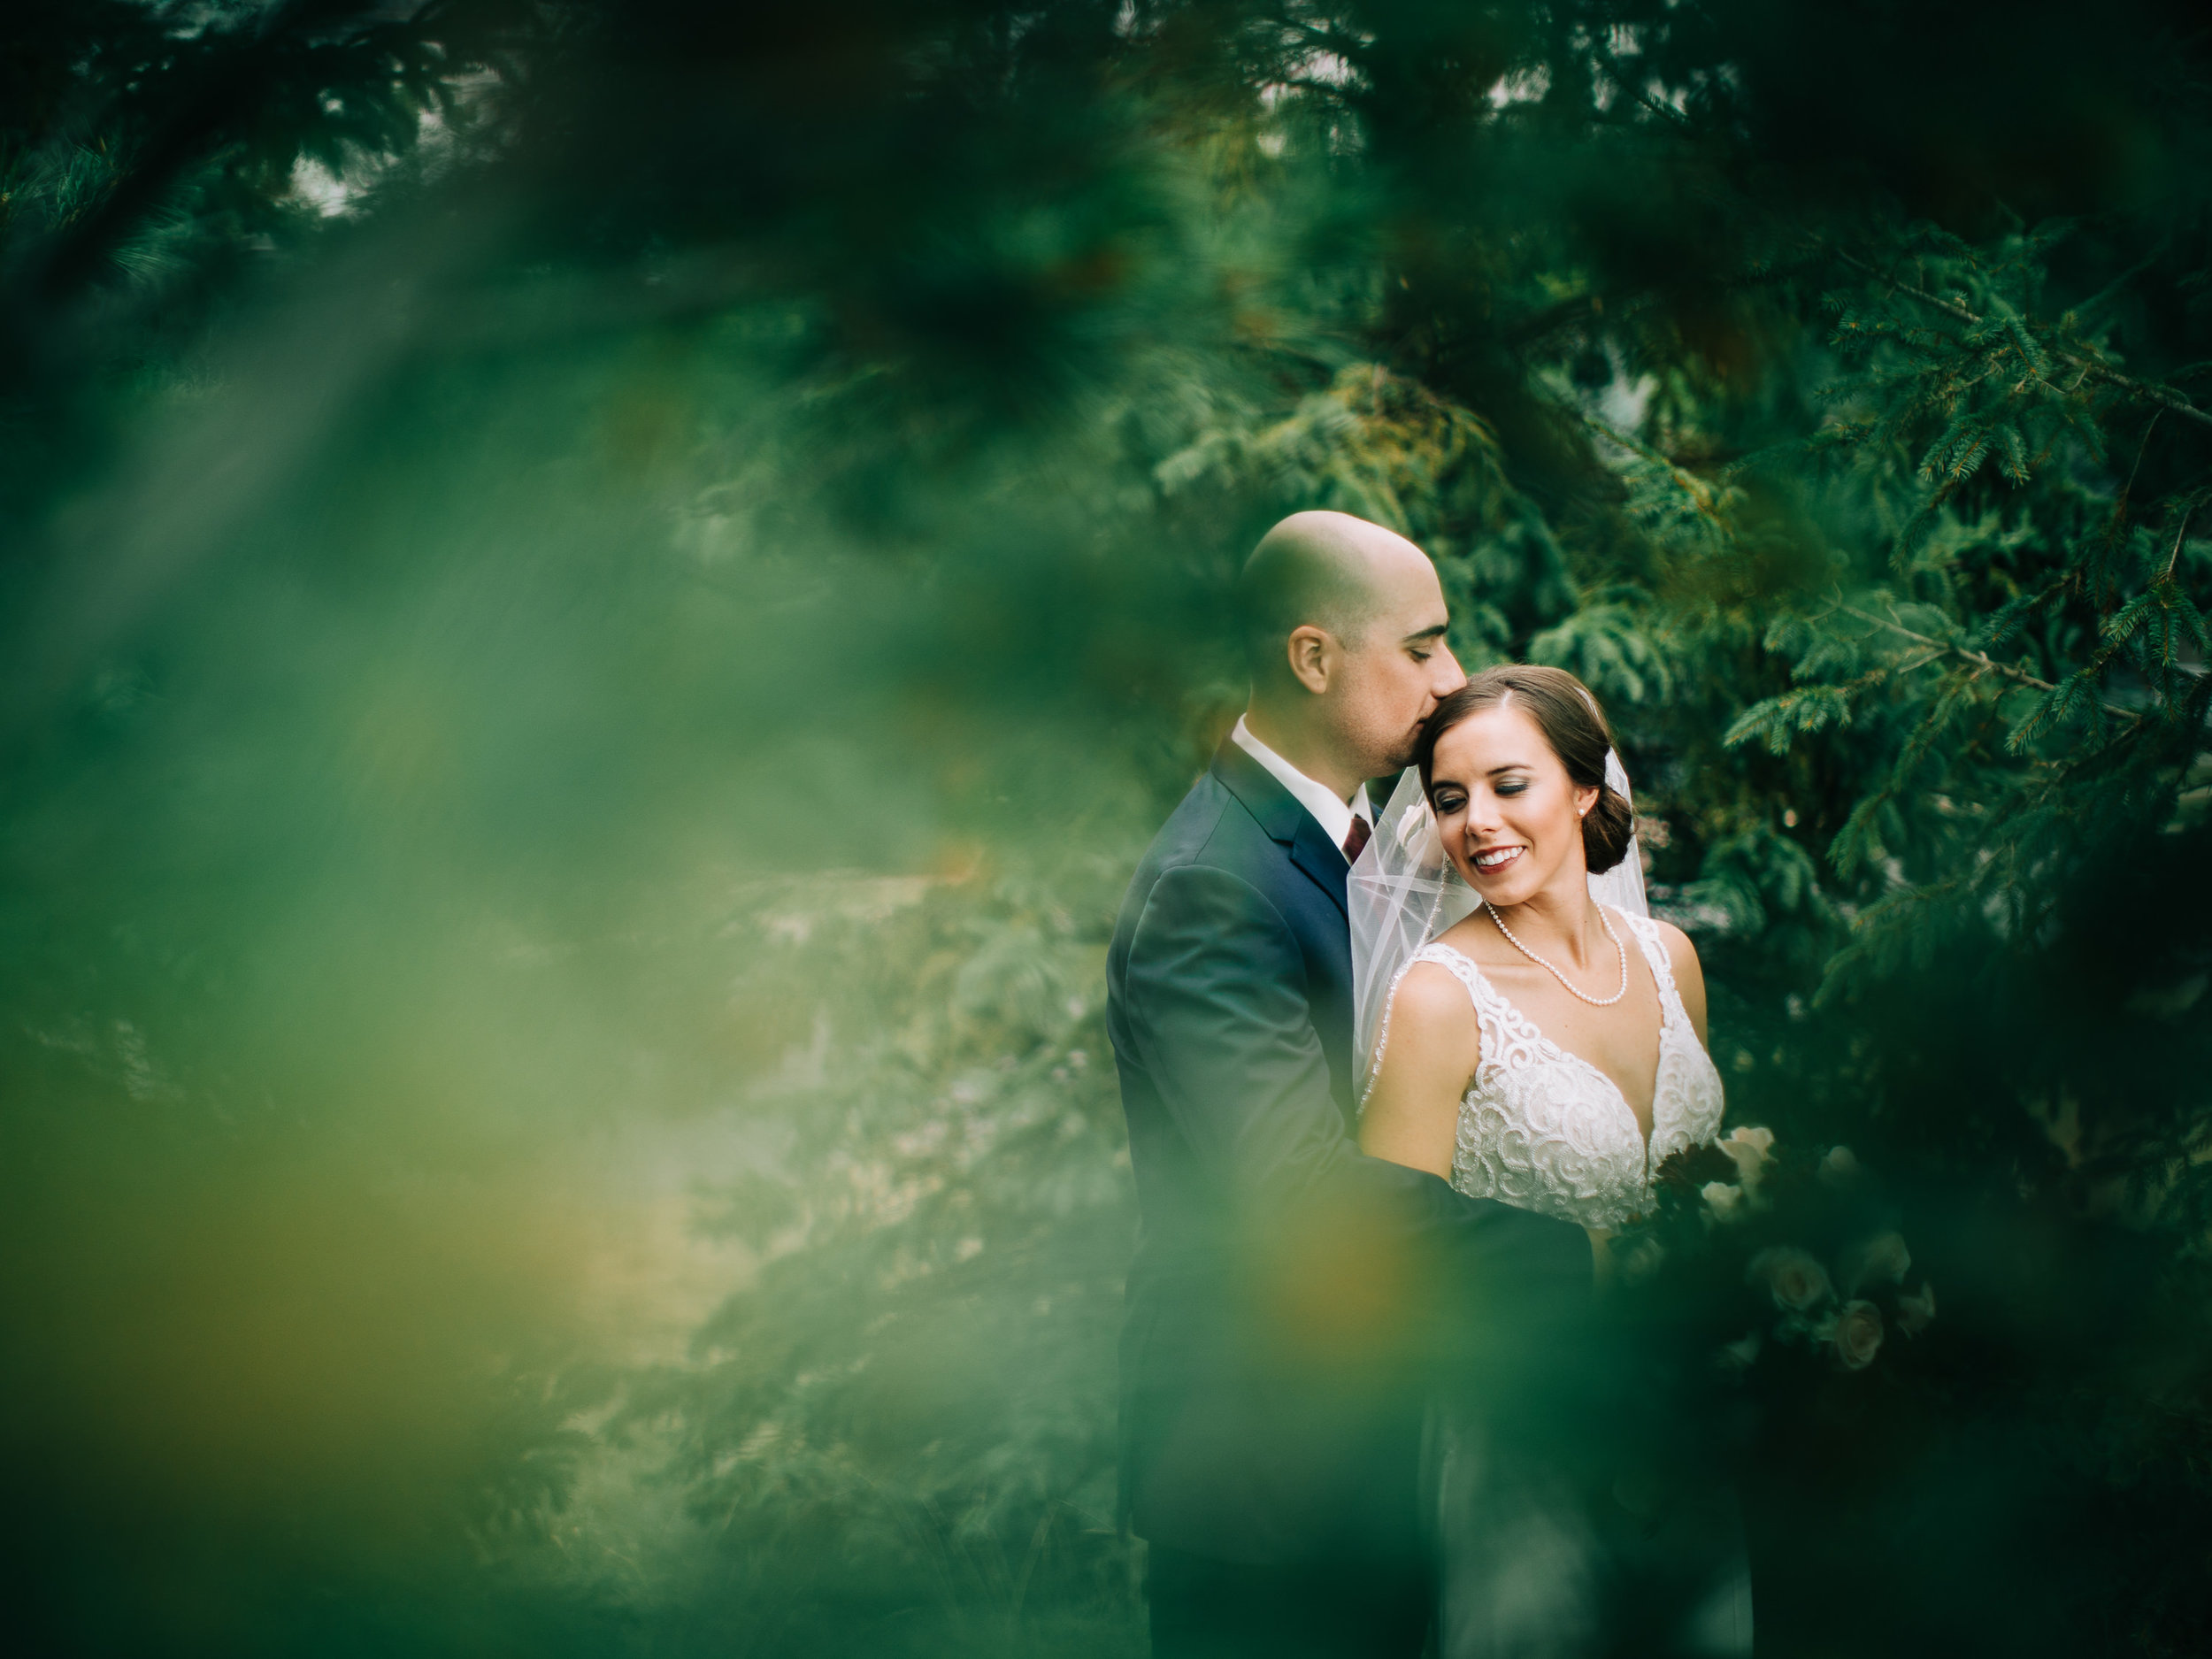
[1642,1259]
[1858,1334]
[1723,1200]
[1749,1148]
[1881,1259]
[1914,1312]
[1795,1278]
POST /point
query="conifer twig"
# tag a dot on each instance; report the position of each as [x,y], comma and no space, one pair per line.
[1690,485]
[2164,396]
[2120,506]
[1982,660]
[2174,557]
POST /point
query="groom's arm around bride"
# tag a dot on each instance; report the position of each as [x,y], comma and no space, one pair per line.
[1289,1295]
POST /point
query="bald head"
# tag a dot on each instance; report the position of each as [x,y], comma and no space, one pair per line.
[1344,626]
[1324,569]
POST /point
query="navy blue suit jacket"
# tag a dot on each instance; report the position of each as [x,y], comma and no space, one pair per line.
[1287,1291]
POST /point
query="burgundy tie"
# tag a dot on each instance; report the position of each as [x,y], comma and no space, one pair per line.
[1355,838]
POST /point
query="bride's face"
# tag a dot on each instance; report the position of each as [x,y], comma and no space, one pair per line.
[1510,816]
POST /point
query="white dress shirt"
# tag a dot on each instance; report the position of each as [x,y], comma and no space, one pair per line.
[1332,815]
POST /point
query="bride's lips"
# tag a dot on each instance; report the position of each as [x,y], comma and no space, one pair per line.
[1492,859]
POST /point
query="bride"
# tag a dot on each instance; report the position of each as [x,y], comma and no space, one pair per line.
[1532,1043]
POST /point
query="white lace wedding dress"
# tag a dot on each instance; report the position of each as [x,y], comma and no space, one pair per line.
[1545,1130]
[1534,1563]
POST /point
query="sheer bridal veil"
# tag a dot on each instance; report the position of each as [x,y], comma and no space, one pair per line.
[1403,892]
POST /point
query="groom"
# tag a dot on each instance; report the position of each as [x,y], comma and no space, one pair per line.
[1288,1290]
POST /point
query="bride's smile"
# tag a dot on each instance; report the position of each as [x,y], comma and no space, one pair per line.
[1510,816]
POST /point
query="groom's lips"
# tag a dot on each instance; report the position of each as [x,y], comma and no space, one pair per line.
[1494,858]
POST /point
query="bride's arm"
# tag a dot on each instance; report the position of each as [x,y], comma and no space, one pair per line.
[1412,1113]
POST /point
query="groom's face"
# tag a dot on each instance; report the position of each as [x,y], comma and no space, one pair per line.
[1394,674]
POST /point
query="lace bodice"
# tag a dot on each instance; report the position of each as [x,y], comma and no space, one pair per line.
[1545,1130]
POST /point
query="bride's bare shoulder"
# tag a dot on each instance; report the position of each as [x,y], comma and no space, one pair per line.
[1680,951]
[1430,1048]
[1432,1006]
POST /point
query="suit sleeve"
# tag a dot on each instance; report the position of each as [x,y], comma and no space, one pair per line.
[1215,986]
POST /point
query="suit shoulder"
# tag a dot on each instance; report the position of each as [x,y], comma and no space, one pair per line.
[1210,827]
[1192,825]
[1210,832]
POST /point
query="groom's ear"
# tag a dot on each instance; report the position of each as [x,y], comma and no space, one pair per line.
[1310,650]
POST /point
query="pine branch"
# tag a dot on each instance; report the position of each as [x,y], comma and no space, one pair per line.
[2091,367]
[1698,490]
[1329,40]
[1981,659]
[2173,557]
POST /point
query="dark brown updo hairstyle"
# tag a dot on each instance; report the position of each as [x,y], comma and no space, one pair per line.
[1572,724]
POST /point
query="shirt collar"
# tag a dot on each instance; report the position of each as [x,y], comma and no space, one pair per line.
[1333,815]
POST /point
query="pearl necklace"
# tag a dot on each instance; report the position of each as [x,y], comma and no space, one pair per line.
[1605,921]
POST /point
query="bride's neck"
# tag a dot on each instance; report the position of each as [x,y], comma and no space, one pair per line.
[1560,922]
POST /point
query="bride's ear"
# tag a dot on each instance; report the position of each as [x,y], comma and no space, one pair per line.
[1585,798]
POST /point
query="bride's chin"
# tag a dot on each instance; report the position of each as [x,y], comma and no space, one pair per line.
[1515,885]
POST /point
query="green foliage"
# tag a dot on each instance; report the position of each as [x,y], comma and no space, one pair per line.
[953,1188]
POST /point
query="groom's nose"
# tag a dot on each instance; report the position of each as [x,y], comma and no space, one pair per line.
[1446,676]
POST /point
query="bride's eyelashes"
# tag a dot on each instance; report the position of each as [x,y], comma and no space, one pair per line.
[1445,802]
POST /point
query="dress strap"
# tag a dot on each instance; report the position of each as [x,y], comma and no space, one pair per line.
[1462,968]
[1655,949]
[1507,1033]
[1492,1011]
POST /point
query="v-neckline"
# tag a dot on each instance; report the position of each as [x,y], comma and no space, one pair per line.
[1666,1018]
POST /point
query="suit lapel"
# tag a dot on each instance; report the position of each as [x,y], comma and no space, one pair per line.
[1279,813]
[1313,852]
